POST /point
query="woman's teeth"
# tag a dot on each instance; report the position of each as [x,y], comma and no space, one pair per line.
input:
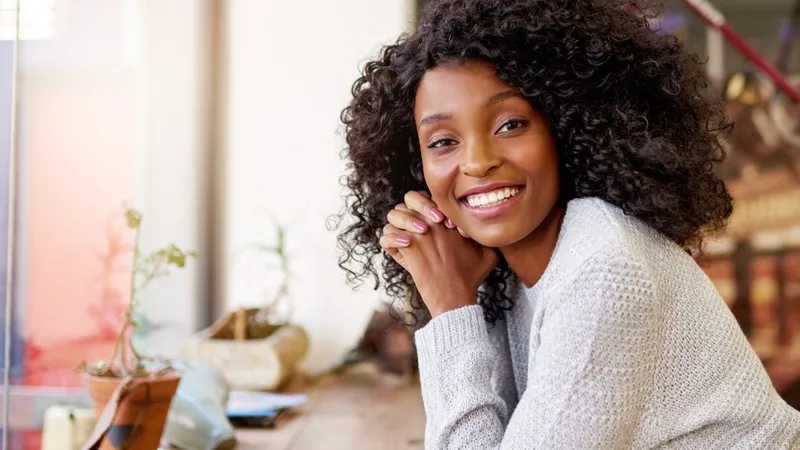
[493,198]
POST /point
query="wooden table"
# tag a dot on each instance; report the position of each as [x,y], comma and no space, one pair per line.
[352,410]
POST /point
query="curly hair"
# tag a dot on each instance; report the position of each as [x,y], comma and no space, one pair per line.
[632,116]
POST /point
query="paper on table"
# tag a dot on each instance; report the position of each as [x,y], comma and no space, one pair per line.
[252,403]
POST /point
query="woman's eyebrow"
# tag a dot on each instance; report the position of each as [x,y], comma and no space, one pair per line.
[501,97]
[433,118]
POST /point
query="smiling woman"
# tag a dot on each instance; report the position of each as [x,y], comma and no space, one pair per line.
[480,139]
[539,172]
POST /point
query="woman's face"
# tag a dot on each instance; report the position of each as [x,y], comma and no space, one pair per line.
[488,156]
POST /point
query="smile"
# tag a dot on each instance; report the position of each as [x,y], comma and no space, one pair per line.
[491,204]
[493,198]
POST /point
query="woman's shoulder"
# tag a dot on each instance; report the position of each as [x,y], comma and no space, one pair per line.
[594,228]
[602,268]
[599,237]
[602,248]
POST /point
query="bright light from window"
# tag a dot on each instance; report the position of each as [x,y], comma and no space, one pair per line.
[36,19]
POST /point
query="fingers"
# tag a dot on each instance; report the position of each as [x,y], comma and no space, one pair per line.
[421,203]
[392,238]
[394,241]
[391,241]
[395,254]
[403,219]
[463,233]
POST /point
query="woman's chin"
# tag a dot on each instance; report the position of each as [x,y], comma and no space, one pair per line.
[493,240]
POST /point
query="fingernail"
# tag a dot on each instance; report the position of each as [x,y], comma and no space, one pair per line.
[436,214]
[419,225]
[403,240]
[449,223]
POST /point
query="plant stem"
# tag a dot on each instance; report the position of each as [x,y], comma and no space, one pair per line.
[126,325]
[117,346]
[148,277]
[119,357]
[135,354]
[123,363]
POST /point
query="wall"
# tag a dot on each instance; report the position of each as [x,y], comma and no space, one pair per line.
[291,65]
[76,146]
[104,122]
[174,155]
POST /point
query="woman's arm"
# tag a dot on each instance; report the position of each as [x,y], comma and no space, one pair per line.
[588,384]
[466,376]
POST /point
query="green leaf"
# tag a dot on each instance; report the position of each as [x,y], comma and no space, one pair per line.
[134,218]
[176,256]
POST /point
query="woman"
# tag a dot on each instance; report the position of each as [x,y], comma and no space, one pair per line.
[540,172]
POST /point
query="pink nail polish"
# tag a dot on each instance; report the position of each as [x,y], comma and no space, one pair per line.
[404,240]
[419,225]
[449,223]
[436,214]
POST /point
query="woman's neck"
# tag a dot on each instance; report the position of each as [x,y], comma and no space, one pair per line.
[529,257]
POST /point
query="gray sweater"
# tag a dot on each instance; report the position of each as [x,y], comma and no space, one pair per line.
[623,343]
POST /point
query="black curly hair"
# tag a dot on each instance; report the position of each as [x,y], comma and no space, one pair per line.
[633,119]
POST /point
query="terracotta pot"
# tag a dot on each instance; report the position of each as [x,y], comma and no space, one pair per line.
[141,414]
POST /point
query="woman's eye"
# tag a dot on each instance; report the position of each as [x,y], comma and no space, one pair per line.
[441,143]
[511,125]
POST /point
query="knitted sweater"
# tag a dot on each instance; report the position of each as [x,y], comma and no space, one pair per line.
[623,343]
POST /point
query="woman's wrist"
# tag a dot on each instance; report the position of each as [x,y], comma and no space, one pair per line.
[451,331]
[444,303]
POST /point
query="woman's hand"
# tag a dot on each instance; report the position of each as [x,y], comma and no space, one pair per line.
[447,267]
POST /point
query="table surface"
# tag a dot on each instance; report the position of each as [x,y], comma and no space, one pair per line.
[356,409]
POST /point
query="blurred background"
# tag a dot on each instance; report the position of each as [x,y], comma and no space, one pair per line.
[218,120]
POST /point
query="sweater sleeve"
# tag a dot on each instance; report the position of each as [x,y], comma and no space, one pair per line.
[468,388]
[588,382]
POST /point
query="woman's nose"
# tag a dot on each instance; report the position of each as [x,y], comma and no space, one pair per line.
[479,160]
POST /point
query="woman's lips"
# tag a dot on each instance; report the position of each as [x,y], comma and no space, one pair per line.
[492,204]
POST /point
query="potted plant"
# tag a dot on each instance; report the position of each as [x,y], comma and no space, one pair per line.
[261,322]
[131,392]
[256,348]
